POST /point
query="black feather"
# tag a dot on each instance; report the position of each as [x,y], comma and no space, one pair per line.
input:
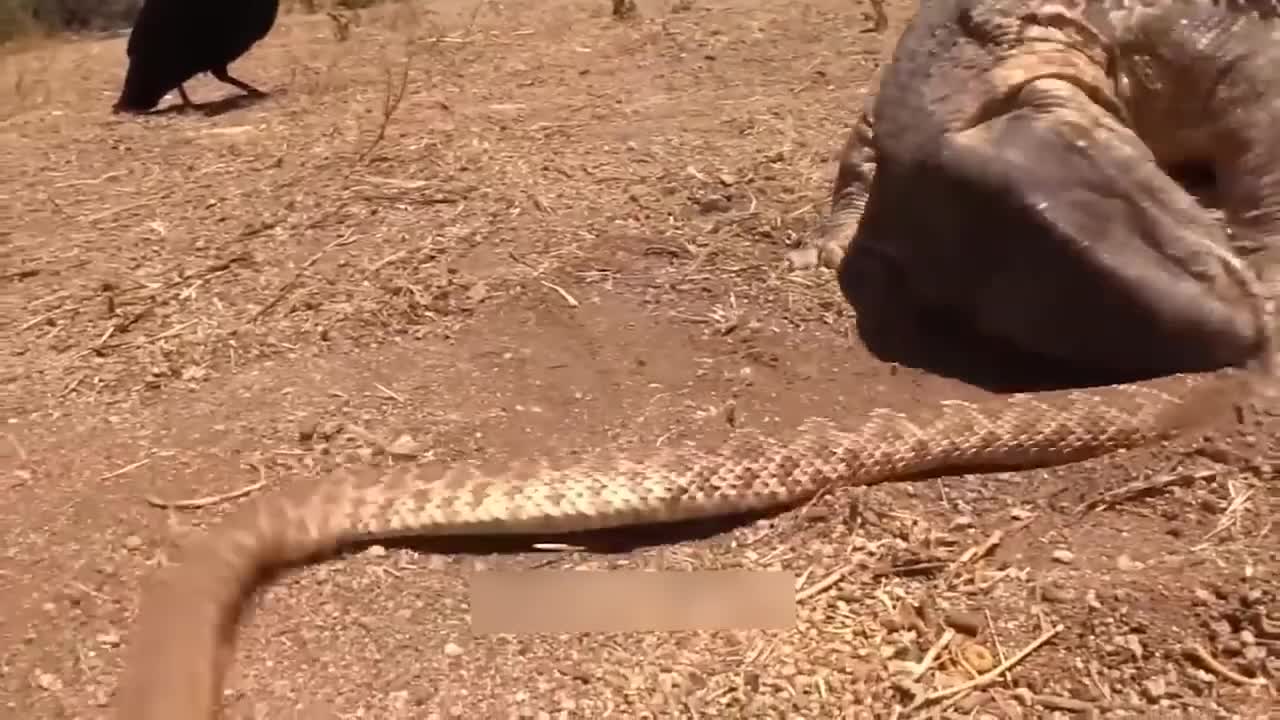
[174,40]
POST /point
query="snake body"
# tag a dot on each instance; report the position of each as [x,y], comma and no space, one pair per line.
[185,634]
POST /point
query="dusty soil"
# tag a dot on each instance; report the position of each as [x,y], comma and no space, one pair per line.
[566,234]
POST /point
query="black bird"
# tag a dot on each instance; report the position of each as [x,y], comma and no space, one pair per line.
[174,40]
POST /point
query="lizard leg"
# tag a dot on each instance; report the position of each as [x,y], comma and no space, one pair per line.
[1199,85]
[1247,146]
[854,174]
[1247,169]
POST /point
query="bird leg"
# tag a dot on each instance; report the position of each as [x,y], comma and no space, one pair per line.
[224,76]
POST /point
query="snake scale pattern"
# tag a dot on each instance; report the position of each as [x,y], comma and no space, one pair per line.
[184,641]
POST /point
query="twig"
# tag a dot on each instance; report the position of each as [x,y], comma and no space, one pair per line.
[389,392]
[75,383]
[47,298]
[989,677]
[1055,702]
[21,274]
[1141,487]
[284,289]
[125,469]
[143,341]
[205,501]
[17,446]
[74,183]
[119,209]
[124,324]
[475,14]
[976,551]
[563,293]
[390,103]
[932,654]
[995,639]
[1229,516]
[90,591]
[511,254]
[823,584]
[1198,653]
[979,551]
[45,316]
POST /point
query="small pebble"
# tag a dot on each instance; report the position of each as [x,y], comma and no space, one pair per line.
[1126,563]
[1066,557]
[405,446]
[1134,645]
[1255,653]
[47,681]
[307,431]
[891,622]
[1055,593]
[133,542]
[1230,647]
[817,514]
[453,649]
[714,204]
[967,623]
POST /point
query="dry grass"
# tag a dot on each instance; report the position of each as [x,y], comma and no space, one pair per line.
[327,170]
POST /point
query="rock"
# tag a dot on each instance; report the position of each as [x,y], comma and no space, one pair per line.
[405,446]
[967,623]
[1126,563]
[804,258]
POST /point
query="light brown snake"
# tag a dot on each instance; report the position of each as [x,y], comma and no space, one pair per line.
[184,640]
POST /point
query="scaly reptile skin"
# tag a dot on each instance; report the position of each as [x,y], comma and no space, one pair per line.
[1168,84]
[1010,172]
[1029,77]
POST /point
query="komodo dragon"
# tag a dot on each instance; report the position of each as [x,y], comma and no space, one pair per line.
[996,116]
[1009,172]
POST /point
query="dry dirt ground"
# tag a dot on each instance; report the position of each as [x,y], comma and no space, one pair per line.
[555,232]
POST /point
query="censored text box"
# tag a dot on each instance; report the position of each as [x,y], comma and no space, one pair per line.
[582,601]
